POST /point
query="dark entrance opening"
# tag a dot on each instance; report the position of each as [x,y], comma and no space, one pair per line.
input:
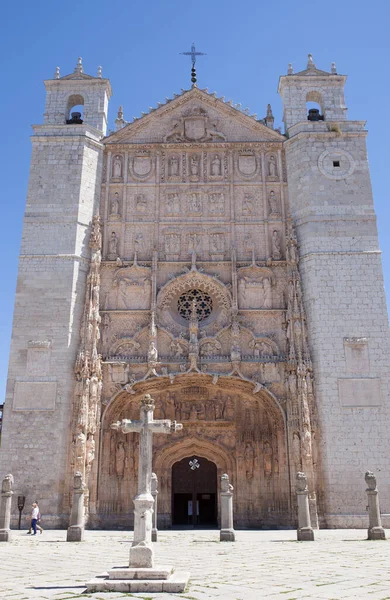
[194,492]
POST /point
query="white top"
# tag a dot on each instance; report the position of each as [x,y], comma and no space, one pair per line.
[35,513]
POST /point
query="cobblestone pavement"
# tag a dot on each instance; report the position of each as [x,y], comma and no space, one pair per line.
[260,564]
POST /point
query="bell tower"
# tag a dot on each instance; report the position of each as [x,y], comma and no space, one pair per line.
[331,204]
[63,195]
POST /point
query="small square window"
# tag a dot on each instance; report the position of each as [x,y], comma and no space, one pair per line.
[336,163]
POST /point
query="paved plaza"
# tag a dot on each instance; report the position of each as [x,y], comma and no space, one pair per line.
[260,564]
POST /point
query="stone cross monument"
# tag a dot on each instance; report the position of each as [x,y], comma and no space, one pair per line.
[227,531]
[5,507]
[142,576]
[76,525]
[154,494]
[141,553]
[305,532]
[375,529]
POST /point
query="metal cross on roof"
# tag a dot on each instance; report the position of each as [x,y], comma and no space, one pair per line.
[193,55]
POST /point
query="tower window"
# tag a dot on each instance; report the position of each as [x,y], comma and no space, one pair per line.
[336,163]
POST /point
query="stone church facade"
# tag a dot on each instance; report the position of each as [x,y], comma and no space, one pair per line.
[233,273]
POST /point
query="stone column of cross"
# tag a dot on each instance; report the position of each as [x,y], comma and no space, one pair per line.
[141,552]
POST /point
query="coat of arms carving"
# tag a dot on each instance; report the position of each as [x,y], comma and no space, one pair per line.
[194,126]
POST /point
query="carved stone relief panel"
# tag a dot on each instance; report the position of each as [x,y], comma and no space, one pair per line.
[194,125]
[216,202]
[218,240]
[194,202]
[194,166]
[248,201]
[250,239]
[174,167]
[138,239]
[131,289]
[276,244]
[172,244]
[274,208]
[255,287]
[173,203]
[215,166]
[141,165]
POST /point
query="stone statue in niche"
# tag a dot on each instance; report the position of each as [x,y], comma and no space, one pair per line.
[216,166]
[217,242]
[115,205]
[140,203]
[306,442]
[276,250]
[138,242]
[273,203]
[248,205]
[113,246]
[297,450]
[172,203]
[228,409]
[216,203]
[194,202]
[90,452]
[194,240]
[152,353]
[120,459]
[194,165]
[117,167]
[249,460]
[267,292]
[134,288]
[272,169]
[248,244]
[172,243]
[173,166]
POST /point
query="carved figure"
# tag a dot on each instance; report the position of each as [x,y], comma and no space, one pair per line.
[276,251]
[216,166]
[194,165]
[152,353]
[194,203]
[301,482]
[217,242]
[248,243]
[120,458]
[173,166]
[228,409]
[370,480]
[140,203]
[177,348]
[249,460]
[225,485]
[272,171]
[217,203]
[115,204]
[138,242]
[193,242]
[267,452]
[297,450]
[306,442]
[172,243]
[273,203]
[113,244]
[117,167]
[247,204]
[173,206]
[80,451]
[260,349]
[267,292]
[7,483]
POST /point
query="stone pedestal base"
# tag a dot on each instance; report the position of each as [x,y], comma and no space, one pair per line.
[157,579]
[374,533]
[227,535]
[305,534]
[141,556]
[75,534]
[5,535]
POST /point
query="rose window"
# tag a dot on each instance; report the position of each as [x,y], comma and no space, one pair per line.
[204,304]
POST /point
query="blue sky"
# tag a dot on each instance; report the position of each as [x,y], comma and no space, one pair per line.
[248,45]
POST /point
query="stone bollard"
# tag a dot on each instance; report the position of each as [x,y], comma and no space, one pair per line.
[76,526]
[375,529]
[305,532]
[5,507]
[227,531]
[154,492]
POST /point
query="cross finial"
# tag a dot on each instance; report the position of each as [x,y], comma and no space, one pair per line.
[193,53]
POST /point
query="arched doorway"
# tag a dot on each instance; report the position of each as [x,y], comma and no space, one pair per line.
[194,492]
